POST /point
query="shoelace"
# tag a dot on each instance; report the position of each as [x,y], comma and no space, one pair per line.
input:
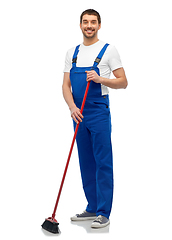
[99,219]
[81,213]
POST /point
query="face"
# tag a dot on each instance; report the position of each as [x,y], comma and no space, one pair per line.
[90,26]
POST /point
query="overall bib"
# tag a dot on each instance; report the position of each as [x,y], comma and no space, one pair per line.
[94,139]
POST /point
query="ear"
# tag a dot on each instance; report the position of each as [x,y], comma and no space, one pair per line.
[80,25]
[99,26]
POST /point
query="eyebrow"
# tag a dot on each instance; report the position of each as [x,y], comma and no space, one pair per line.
[87,20]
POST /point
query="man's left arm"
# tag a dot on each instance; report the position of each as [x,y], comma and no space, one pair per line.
[120,80]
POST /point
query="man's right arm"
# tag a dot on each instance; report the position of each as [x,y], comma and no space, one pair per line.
[67,94]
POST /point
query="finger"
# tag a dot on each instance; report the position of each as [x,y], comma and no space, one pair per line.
[88,73]
[89,77]
[80,114]
[76,117]
[77,112]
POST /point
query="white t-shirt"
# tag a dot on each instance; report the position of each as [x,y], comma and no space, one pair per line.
[87,55]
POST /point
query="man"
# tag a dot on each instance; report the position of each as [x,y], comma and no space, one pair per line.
[93,61]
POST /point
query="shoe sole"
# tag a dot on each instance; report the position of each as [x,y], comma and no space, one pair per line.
[82,218]
[97,225]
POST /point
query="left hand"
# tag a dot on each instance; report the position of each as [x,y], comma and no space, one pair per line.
[93,76]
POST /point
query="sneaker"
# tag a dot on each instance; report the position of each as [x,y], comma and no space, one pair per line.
[100,222]
[84,216]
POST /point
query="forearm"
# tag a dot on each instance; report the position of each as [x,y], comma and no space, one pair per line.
[115,83]
[75,111]
[120,80]
[67,94]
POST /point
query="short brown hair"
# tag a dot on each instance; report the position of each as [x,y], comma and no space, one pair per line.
[91,12]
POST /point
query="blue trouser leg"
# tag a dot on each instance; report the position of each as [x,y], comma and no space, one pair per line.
[104,173]
[95,156]
[87,166]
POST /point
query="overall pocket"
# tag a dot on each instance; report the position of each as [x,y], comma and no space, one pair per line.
[102,103]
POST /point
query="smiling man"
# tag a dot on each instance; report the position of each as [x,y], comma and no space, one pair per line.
[90,25]
[93,60]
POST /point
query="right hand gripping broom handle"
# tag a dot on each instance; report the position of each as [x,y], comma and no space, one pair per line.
[70,152]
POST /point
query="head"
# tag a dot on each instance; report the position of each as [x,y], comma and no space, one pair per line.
[90,23]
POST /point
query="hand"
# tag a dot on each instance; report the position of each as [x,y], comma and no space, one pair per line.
[93,76]
[76,114]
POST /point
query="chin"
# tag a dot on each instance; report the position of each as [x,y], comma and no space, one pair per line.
[88,36]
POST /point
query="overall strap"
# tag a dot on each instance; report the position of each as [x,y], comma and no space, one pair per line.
[74,59]
[99,57]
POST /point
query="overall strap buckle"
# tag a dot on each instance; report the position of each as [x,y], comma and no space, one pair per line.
[99,57]
[74,59]
[97,60]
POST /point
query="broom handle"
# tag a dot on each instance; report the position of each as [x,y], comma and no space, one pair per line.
[70,152]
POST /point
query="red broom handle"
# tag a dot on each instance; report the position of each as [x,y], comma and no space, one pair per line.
[70,152]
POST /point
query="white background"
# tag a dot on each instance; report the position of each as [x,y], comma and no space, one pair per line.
[36,129]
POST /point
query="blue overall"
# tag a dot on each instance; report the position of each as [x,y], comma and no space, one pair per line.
[94,139]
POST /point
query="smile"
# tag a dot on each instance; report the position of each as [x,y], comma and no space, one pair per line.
[89,31]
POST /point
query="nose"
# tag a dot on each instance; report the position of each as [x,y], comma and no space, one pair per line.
[89,24]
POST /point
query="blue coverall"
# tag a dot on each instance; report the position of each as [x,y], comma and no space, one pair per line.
[94,139]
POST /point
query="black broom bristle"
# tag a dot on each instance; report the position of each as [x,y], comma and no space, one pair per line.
[50,226]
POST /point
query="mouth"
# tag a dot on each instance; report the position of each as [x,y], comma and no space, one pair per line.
[89,31]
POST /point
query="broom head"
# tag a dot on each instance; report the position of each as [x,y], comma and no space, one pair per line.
[51,225]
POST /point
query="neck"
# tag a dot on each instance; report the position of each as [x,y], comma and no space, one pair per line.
[90,41]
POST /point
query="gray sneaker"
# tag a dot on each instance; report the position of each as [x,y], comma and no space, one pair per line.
[100,222]
[84,216]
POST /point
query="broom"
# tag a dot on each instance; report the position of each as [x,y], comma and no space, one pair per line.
[50,224]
